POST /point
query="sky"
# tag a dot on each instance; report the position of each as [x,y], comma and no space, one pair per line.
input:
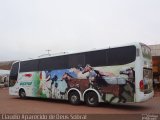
[30,27]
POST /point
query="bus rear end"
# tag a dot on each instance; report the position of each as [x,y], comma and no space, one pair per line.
[144,85]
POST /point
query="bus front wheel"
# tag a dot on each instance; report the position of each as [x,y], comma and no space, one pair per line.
[91,99]
[74,98]
[22,93]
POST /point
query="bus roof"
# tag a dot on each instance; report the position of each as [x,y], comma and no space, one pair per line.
[67,53]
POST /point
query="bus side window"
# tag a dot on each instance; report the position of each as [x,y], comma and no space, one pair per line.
[121,55]
[96,58]
[53,63]
[28,66]
[13,74]
[76,60]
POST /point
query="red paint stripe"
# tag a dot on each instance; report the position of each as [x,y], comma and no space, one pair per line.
[28,75]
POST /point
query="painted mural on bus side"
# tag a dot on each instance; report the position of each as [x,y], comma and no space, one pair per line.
[115,84]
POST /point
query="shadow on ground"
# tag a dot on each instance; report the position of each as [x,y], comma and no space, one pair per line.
[120,106]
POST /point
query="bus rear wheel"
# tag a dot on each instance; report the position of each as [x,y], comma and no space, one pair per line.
[22,93]
[91,99]
[74,98]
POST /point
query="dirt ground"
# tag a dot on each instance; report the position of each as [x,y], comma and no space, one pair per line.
[13,104]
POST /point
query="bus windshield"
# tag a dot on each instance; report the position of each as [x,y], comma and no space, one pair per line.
[13,74]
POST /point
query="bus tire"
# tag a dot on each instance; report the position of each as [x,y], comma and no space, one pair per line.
[74,98]
[22,93]
[91,99]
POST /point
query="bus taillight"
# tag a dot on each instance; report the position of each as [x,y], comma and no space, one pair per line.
[141,85]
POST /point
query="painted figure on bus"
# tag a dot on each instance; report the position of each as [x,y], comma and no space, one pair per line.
[53,85]
[96,77]
[130,83]
[57,83]
[67,77]
[43,89]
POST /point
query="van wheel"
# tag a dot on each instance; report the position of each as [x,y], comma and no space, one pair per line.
[74,98]
[91,99]
[22,93]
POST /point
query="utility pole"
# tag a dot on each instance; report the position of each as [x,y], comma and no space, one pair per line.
[48,52]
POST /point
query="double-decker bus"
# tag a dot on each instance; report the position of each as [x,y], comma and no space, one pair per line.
[112,75]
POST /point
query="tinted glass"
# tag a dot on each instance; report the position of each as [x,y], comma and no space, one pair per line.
[108,57]
[76,60]
[13,74]
[60,62]
[96,58]
[121,55]
[27,66]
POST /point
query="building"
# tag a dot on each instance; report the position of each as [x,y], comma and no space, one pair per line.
[4,80]
[155,50]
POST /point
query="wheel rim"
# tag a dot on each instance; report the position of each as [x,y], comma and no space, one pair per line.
[92,100]
[22,94]
[74,98]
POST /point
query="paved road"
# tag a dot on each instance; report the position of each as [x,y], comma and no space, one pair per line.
[12,104]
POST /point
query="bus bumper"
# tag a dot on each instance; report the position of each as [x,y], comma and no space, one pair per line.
[12,91]
[141,97]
